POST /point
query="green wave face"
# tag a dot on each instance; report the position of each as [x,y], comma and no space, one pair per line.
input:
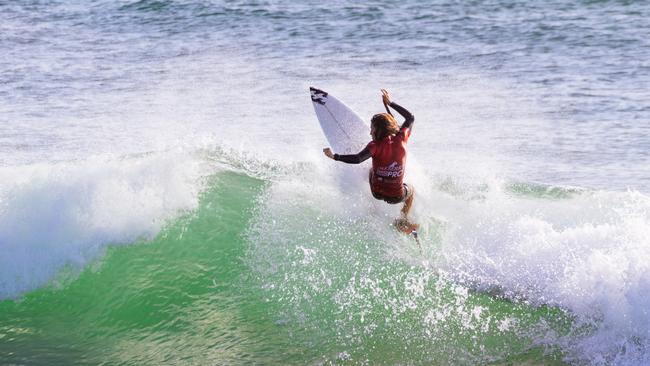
[180,298]
[253,278]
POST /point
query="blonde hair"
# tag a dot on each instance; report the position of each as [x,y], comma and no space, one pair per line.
[384,125]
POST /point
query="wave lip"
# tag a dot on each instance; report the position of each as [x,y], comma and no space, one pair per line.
[63,214]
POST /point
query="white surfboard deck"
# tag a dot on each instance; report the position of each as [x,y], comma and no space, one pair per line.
[345,131]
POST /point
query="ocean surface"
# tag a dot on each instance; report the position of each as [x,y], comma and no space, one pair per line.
[164,198]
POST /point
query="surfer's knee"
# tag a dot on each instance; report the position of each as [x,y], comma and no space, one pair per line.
[410,191]
[408,199]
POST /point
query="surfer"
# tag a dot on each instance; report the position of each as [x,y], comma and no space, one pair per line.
[388,152]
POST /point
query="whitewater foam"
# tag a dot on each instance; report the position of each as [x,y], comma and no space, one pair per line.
[584,253]
[63,214]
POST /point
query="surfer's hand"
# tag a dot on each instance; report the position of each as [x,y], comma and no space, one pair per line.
[328,152]
[385,97]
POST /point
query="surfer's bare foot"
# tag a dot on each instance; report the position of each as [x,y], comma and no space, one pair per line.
[404,225]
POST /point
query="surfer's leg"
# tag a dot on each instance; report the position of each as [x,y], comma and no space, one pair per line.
[402,223]
[408,201]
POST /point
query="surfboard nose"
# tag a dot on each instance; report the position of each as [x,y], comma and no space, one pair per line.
[317,95]
[318,91]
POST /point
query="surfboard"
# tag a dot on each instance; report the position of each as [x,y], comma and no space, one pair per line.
[344,130]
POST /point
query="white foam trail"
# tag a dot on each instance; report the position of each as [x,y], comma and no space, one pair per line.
[63,214]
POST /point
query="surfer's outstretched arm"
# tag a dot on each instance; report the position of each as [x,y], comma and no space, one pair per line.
[362,156]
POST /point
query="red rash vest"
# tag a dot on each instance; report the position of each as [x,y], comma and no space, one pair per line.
[389,163]
[388,158]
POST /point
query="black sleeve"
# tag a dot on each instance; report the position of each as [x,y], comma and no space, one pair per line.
[406,114]
[354,158]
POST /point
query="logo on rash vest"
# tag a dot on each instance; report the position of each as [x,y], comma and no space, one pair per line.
[392,170]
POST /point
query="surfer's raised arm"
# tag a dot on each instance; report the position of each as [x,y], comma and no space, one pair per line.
[362,156]
[408,116]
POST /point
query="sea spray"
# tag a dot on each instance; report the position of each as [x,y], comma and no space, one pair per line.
[581,251]
[328,260]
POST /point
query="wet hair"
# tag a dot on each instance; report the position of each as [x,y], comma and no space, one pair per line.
[384,124]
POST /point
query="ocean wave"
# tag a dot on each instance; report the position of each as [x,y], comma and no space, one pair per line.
[577,250]
[64,214]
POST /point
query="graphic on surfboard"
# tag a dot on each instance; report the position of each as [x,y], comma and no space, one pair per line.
[345,131]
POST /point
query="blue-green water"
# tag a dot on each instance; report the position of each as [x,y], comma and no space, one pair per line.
[164,198]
